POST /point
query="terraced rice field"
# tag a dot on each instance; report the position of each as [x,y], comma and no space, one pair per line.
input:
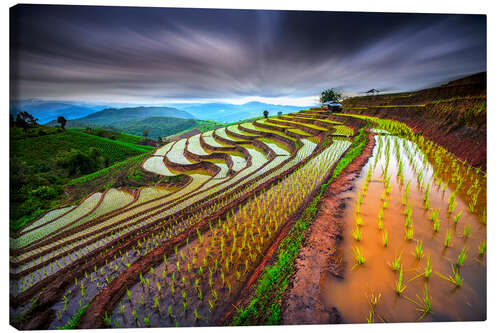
[182,256]
[415,236]
[90,245]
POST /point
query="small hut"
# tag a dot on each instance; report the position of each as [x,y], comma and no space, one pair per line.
[372,91]
[332,106]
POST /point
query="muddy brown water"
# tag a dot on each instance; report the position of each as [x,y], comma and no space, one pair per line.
[449,303]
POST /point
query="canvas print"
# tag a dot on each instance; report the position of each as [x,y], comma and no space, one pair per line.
[215,167]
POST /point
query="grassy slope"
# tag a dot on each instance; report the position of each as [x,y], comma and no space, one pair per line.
[37,176]
[264,305]
[201,125]
[118,136]
[43,149]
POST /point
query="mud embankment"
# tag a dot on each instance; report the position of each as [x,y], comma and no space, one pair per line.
[302,301]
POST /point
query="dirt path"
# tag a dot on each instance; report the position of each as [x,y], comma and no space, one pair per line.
[302,301]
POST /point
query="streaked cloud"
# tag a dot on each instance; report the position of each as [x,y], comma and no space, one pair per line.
[159,55]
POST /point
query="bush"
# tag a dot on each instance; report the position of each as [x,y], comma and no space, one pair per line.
[45,192]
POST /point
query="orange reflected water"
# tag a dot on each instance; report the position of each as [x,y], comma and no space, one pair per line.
[449,303]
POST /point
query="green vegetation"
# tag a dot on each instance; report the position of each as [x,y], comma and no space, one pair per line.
[73,322]
[330,95]
[155,126]
[44,159]
[113,135]
[200,125]
[264,306]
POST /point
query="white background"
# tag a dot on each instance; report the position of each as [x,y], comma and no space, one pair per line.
[422,6]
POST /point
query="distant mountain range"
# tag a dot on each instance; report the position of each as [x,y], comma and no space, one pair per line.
[47,111]
[158,121]
[226,112]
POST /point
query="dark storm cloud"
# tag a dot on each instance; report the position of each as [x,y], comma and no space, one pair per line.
[156,54]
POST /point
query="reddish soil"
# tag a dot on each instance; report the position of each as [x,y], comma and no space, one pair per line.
[302,302]
[452,115]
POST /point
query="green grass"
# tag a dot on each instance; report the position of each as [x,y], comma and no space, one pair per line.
[73,322]
[45,148]
[201,125]
[135,160]
[264,306]
[113,135]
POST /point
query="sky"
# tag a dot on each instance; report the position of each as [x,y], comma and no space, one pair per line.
[153,56]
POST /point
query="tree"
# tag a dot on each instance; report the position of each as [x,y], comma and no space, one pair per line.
[145,133]
[266,113]
[280,113]
[26,120]
[330,95]
[61,120]
[160,139]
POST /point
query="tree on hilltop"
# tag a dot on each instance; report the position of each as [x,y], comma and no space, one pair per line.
[330,95]
[266,113]
[61,120]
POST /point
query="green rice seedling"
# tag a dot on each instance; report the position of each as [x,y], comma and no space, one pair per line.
[483,217]
[457,217]
[467,230]
[134,314]
[418,250]
[400,287]
[358,203]
[435,227]
[396,263]
[448,238]
[380,224]
[472,207]
[357,234]
[128,295]
[408,221]
[374,299]
[169,312]
[371,316]
[359,221]
[385,239]
[358,256]
[462,256]
[482,248]
[408,211]
[424,303]
[196,315]
[146,321]
[409,233]
[454,278]
[405,195]
[385,204]
[210,305]
[107,320]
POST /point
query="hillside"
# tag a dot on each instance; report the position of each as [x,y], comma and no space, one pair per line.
[110,116]
[453,114]
[156,126]
[45,158]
